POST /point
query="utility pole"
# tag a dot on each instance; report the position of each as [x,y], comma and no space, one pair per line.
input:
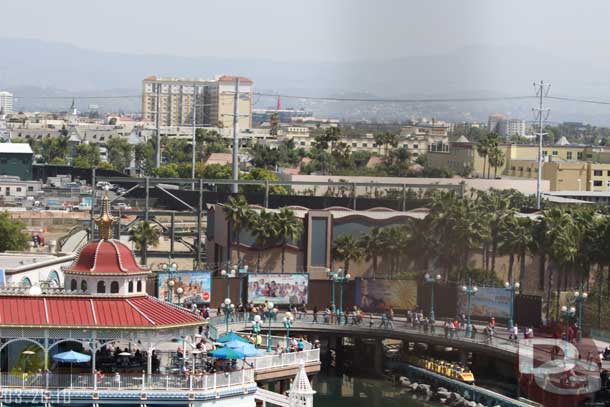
[235,172]
[157,124]
[540,114]
[194,141]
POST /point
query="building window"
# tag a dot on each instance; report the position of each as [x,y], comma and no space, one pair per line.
[569,155]
[512,168]
[555,152]
[415,146]
[597,173]
[521,169]
[589,156]
[101,287]
[130,287]
[30,189]
[545,153]
[26,282]
[18,189]
[597,183]
[354,144]
[83,285]
[114,287]
[579,155]
[73,285]
[365,145]
[139,286]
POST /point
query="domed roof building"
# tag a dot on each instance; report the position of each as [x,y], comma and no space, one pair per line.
[106,265]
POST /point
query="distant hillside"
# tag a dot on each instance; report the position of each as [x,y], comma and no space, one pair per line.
[32,67]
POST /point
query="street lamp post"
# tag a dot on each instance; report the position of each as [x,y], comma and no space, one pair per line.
[332,289]
[288,319]
[228,309]
[270,314]
[242,273]
[228,275]
[580,297]
[179,292]
[469,290]
[256,328]
[432,281]
[171,269]
[338,277]
[512,288]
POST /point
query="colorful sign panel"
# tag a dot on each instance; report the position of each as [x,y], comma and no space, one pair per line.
[278,288]
[487,302]
[196,286]
[375,295]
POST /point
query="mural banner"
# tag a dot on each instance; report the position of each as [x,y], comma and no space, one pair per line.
[487,302]
[376,295]
[196,286]
[278,288]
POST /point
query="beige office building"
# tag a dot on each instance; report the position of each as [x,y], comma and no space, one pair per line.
[566,167]
[213,101]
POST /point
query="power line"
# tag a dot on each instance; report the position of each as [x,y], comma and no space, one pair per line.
[339,99]
[383,100]
[567,99]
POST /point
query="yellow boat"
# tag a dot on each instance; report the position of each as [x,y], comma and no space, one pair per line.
[452,370]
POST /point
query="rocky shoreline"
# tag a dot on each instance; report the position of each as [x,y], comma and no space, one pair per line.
[439,394]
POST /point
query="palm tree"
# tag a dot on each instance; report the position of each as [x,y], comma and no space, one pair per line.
[496,159]
[262,227]
[515,240]
[372,247]
[237,213]
[143,235]
[288,228]
[483,151]
[562,231]
[346,248]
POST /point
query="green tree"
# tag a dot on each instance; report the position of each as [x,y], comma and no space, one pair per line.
[237,213]
[262,226]
[86,156]
[347,249]
[12,232]
[496,159]
[144,234]
[289,228]
[372,247]
[120,153]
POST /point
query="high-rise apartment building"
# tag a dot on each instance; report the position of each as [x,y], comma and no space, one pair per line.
[213,101]
[6,102]
[504,126]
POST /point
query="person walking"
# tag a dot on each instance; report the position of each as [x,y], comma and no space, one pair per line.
[315,315]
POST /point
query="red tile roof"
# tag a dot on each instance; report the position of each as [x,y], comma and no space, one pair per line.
[228,78]
[106,257]
[80,311]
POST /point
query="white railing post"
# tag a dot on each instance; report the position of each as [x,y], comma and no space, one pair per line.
[205,386]
[166,382]
[94,381]
[143,381]
[214,381]
[243,377]
[191,382]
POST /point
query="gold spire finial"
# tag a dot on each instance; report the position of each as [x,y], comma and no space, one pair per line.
[105,221]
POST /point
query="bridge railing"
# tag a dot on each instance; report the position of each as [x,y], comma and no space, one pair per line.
[373,323]
[142,382]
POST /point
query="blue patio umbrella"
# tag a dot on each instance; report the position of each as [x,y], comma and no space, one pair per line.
[231,336]
[71,357]
[226,353]
[246,348]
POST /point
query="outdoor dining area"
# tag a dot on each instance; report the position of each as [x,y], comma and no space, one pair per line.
[181,362]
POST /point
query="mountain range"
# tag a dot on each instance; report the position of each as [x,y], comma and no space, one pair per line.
[33,68]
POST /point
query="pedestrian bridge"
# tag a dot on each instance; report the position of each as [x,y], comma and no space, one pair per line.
[373,327]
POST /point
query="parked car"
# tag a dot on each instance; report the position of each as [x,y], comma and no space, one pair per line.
[121,206]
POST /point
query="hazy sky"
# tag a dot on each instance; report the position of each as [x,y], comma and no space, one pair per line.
[312,29]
